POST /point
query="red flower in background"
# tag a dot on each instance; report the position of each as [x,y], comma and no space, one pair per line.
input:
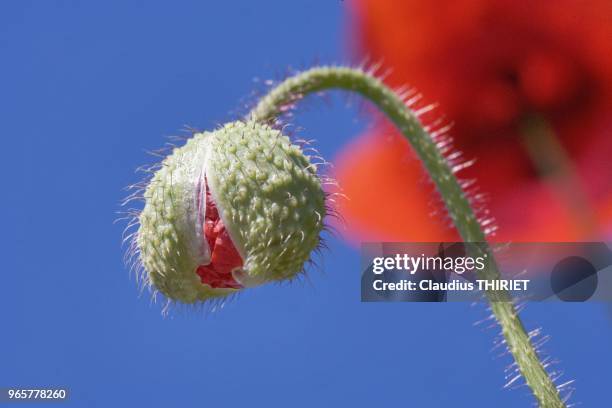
[492,66]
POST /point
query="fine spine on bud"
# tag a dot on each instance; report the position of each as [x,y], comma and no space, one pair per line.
[233,208]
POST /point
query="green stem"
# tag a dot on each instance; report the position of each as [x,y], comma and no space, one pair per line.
[554,165]
[323,78]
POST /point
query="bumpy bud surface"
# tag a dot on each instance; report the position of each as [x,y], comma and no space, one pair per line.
[233,208]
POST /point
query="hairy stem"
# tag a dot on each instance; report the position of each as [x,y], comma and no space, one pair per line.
[314,80]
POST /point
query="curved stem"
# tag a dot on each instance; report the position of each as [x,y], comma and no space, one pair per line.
[314,80]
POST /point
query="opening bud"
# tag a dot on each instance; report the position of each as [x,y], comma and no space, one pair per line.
[234,208]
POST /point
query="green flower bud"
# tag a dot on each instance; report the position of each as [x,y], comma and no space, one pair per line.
[233,208]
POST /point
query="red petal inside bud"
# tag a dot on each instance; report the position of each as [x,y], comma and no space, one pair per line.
[224,256]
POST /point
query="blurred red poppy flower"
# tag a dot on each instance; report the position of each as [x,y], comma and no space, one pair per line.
[495,68]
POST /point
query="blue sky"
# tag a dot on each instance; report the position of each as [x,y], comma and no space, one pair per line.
[86,87]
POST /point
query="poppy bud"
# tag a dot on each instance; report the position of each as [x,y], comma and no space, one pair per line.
[233,208]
